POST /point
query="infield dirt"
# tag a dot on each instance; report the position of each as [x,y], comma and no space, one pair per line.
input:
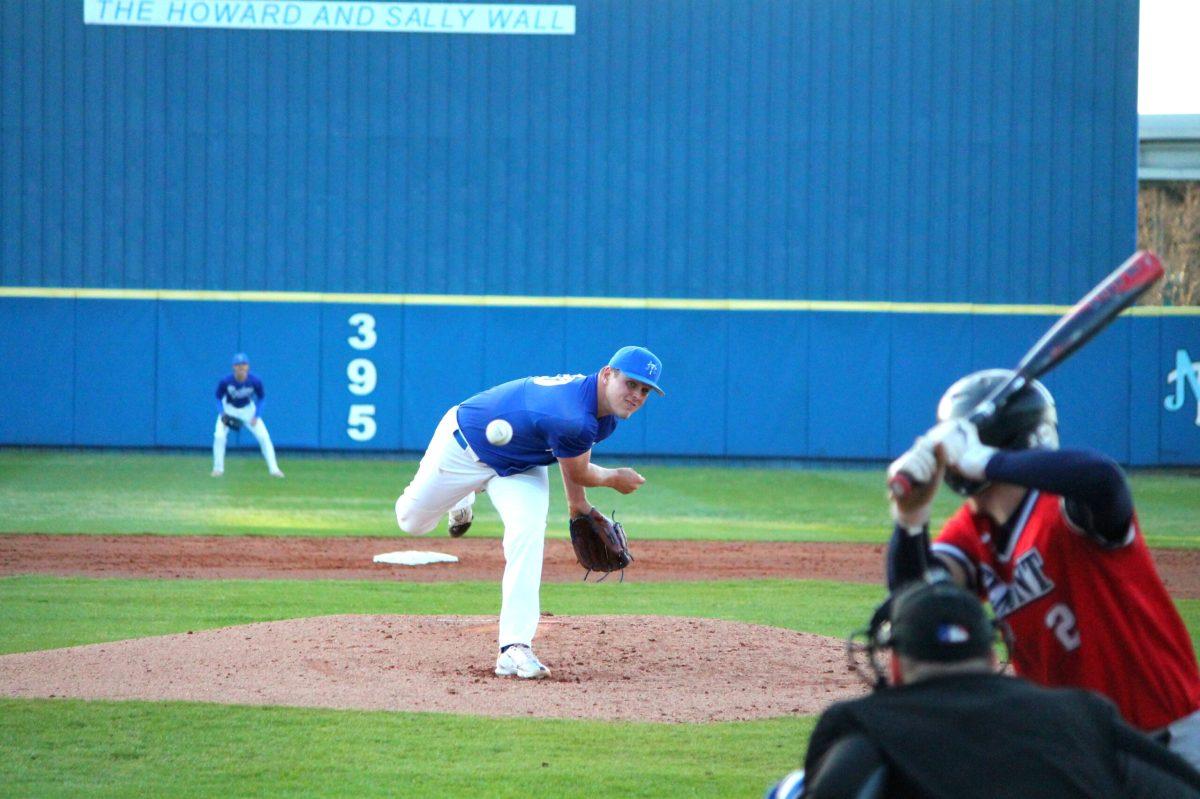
[248,558]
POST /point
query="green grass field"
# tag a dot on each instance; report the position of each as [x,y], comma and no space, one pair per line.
[66,747]
[110,493]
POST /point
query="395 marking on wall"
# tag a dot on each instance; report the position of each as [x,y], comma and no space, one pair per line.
[363,377]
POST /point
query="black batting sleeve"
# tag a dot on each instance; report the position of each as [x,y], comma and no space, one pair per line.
[1096,493]
[908,557]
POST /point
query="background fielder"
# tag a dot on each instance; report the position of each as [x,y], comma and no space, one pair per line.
[552,418]
[240,396]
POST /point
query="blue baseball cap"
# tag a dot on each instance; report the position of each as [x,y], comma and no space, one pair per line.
[240,357]
[639,363]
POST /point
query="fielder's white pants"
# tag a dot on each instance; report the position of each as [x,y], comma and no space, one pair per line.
[221,433]
[448,477]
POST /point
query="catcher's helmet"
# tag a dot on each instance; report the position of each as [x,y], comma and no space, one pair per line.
[938,621]
[1027,420]
[931,619]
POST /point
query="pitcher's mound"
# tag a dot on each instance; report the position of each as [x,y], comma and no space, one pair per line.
[648,668]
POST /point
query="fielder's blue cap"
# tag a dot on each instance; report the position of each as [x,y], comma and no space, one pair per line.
[240,357]
[639,363]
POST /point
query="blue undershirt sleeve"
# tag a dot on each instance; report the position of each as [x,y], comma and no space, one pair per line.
[1097,494]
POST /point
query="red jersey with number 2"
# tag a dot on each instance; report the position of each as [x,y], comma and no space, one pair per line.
[1082,613]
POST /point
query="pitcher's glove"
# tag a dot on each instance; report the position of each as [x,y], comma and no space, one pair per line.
[600,544]
[232,422]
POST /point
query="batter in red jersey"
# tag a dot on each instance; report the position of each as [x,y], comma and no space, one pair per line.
[1050,538]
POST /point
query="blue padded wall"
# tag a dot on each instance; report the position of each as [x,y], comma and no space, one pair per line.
[116,370]
[847,396]
[916,151]
[282,341]
[194,346]
[733,387]
[37,353]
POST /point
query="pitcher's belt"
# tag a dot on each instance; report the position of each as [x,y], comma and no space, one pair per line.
[462,442]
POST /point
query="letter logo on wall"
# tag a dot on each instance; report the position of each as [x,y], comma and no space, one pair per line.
[1185,375]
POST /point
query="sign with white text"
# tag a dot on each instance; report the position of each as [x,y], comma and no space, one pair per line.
[326,15]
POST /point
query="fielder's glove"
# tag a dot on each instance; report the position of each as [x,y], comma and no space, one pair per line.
[599,543]
[232,422]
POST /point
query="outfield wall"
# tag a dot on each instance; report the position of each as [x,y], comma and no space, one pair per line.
[819,212]
[786,383]
[857,150]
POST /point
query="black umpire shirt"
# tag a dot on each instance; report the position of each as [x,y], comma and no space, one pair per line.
[987,735]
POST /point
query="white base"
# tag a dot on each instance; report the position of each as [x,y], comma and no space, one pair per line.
[412,557]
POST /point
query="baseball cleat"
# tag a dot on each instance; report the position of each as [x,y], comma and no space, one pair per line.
[277,473]
[217,473]
[520,660]
[460,521]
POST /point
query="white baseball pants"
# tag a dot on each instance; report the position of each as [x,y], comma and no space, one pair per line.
[221,434]
[448,477]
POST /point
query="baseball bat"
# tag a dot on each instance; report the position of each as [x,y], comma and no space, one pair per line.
[1076,327]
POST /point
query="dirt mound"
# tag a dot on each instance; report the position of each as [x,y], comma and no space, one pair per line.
[662,668]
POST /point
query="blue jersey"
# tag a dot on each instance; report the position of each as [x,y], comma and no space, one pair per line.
[551,418]
[238,394]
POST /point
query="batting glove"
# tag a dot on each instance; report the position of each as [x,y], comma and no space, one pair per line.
[920,464]
[962,449]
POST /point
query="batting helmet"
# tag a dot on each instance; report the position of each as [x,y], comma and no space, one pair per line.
[1027,420]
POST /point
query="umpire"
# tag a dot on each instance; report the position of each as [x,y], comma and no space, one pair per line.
[950,726]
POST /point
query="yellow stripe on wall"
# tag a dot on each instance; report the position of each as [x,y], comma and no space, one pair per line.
[517,301]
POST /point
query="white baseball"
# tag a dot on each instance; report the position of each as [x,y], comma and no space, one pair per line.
[499,432]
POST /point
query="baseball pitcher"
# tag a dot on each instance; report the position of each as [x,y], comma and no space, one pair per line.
[546,419]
